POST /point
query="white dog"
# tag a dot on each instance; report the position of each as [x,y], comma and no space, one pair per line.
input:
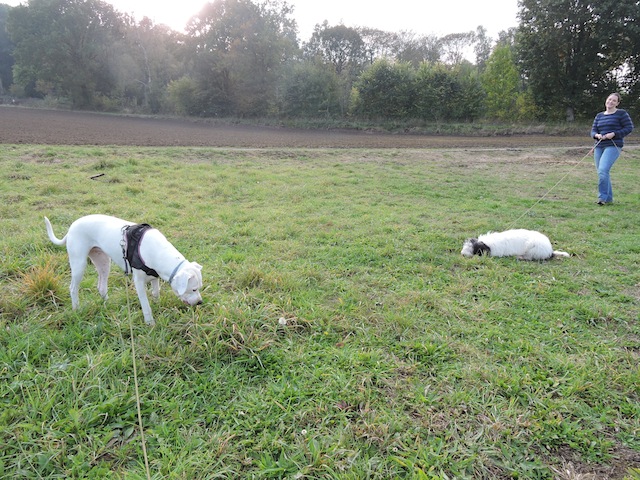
[524,244]
[137,248]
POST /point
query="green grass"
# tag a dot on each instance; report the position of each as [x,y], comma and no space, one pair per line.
[399,358]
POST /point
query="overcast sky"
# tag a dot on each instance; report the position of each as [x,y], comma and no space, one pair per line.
[420,16]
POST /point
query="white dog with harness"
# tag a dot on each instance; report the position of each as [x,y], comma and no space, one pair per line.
[135,248]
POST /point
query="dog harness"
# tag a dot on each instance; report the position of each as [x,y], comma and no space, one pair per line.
[131,238]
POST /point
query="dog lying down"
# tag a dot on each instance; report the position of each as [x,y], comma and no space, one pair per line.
[524,244]
[135,248]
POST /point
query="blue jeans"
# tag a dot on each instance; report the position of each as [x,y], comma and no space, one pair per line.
[605,157]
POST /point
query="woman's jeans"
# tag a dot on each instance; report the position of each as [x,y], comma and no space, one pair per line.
[605,157]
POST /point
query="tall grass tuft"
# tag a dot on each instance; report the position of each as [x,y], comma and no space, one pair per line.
[42,285]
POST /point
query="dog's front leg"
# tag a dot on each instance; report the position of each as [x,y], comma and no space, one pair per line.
[140,282]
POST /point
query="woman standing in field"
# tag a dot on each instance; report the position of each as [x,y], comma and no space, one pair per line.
[609,129]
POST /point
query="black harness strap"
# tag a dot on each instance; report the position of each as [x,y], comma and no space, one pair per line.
[131,237]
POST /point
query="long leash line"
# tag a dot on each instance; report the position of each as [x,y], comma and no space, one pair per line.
[556,184]
[135,383]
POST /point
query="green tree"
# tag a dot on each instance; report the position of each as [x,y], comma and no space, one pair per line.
[468,104]
[344,49]
[183,98]
[568,50]
[66,47]
[454,46]
[417,49]
[151,58]
[401,46]
[6,50]
[627,43]
[377,44]
[501,81]
[341,46]
[448,93]
[386,90]
[482,47]
[240,49]
[436,86]
[311,89]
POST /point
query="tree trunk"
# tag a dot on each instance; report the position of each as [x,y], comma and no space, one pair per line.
[571,114]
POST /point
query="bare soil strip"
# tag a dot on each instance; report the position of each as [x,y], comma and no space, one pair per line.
[20,125]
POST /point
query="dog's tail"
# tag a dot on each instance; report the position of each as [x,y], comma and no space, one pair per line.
[52,237]
[558,253]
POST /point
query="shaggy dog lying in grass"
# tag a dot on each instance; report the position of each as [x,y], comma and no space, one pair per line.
[524,244]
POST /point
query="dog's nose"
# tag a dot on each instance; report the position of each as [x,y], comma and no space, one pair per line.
[199,302]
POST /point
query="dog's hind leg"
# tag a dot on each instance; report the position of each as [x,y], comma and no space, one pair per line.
[530,251]
[78,266]
[102,262]
[155,287]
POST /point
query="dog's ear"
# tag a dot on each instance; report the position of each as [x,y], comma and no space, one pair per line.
[196,265]
[480,248]
[181,282]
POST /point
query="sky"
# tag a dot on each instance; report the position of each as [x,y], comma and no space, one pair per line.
[419,16]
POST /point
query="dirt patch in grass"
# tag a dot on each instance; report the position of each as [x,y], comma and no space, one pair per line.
[573,468]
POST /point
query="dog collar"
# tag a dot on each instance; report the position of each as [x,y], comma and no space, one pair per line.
[175,270]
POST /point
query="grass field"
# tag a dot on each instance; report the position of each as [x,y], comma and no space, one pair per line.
[342,334]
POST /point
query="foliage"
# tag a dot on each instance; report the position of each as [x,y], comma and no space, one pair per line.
[149,61]
[6,50]
[501,82]
[342,333]
[506,98]
[454,45]
[240,51]
[243,58]
[482,48]
[66,44]
[348,51]
[446,94]
[433,92]
[182,97]
[469,104]
[340,46]
[417,50]
[569,51]
[311,89]
[386,90]
[628,36]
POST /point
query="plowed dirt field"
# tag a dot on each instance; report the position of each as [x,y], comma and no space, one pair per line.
[20,125]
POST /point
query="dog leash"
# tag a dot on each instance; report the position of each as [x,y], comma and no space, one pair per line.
[135,383]
[557,183]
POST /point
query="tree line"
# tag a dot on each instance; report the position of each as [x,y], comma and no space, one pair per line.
[243,58]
